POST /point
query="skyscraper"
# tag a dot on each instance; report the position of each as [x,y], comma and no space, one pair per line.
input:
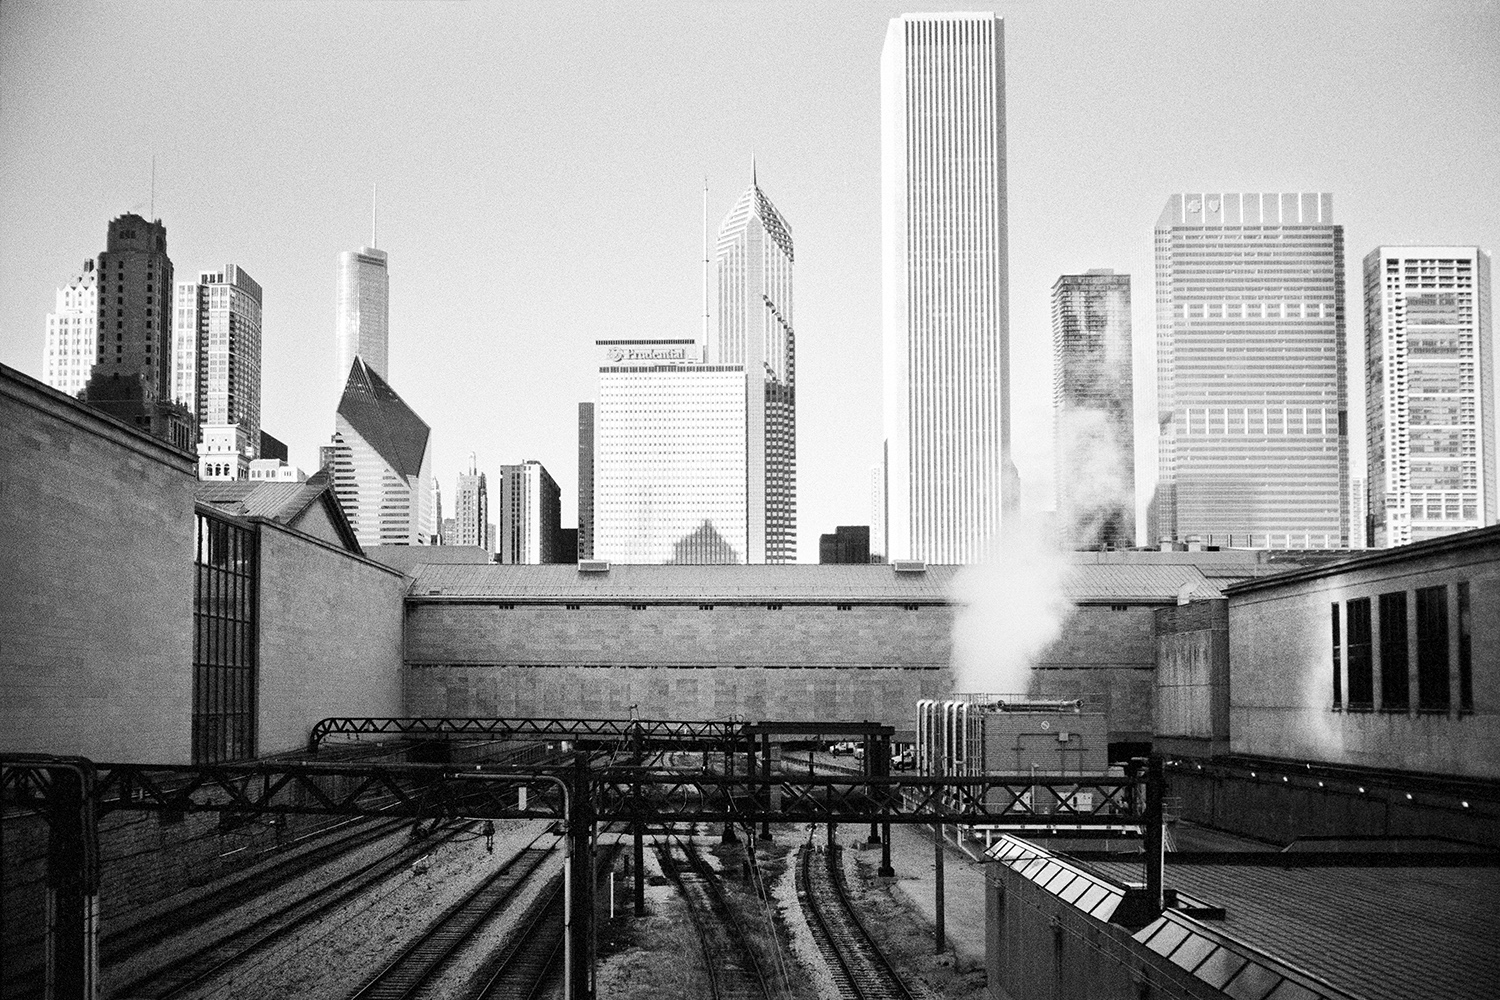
[1429,392]
[362,315]
[73,333]
[945,286]
[1094,437]
[1253,446]
[669,456]
[585,481]
[471,509]
[754,258]
[131,377]
[216,346]
[530,515]
[382,463]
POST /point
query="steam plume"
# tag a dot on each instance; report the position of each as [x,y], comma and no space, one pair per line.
[1011,607]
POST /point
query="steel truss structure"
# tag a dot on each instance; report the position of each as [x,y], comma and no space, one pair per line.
[72,793]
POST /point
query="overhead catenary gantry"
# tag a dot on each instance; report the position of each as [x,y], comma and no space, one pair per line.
[593,788]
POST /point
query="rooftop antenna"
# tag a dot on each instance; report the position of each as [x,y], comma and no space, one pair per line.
[705,264]
[374,219]
[153,186]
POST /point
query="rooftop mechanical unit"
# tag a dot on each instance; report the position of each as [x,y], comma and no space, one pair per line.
[1009,734]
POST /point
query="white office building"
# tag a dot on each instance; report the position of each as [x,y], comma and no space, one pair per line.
[471,509]
[1429,391]
[216,351]
[669,456]
[73,333]
[945,295]
[1251,394]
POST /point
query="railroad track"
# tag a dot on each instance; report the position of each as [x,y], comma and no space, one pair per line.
[410,972]
[242,887]
[527,965]
[231,947]
[733,971]
[859,968]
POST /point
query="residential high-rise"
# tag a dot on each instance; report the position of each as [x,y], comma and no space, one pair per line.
[530,515]
[131,377]
[216,346]
[471,509]
[1429,392]
[585,481]
[944,286]
[1359,514]
[1093,435]
[877,513]
[754,258]
[362,310]
[73,333]
[442,535]
[382,463]
[1253,447]
[669,456]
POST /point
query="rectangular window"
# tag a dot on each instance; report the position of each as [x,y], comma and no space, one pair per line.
[1361,676]
[1338,661]
[225,640]
[1393,658]
[1465,652]
[1432,649]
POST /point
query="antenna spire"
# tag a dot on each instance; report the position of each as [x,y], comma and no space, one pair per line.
[152,210]
[754,181]
[374,219]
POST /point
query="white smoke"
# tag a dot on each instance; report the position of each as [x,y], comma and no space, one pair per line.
[1011,607]
[1095,479]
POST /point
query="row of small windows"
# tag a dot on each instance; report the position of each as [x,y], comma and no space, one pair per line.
[1379,643]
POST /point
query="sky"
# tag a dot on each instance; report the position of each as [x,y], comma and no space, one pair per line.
[540,170]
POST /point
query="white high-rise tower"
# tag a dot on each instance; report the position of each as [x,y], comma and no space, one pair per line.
[945,286]
[755,332]
[1429,392]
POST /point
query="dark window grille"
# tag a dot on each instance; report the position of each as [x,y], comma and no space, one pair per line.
[1338,662]
[1432,649]
[1361,670]
[1465,651]
[225,661]
[1394,663]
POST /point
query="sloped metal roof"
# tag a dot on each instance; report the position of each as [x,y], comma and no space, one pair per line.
[1382,932]
[799,582]
[280,501]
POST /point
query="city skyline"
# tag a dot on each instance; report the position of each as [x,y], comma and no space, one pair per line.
[1103,84]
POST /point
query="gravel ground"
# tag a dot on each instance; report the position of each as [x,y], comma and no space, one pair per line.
[333,955]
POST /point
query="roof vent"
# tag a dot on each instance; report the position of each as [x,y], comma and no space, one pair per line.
[908,566]
[593,565]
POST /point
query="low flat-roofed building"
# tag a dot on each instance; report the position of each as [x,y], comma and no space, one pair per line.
[1251,926]
[765,641]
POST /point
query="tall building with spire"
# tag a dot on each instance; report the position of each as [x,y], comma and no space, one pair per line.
[216,352]
[754,261]
[471,509]
[1253,426]
[73,333]
[945,290]
[1429,392]
[131,377]
[381,460]
[362,310]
